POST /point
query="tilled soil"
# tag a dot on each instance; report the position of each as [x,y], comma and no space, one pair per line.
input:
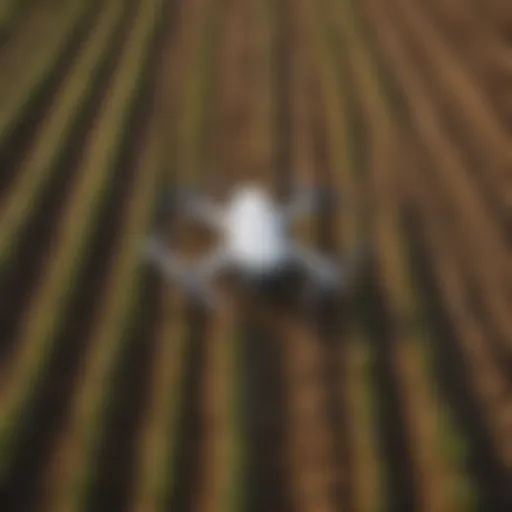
[118,393]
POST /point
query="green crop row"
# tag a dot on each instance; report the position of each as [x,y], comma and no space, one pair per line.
[10,11]
[122,307]
[370,80]
[468,104]
[484,252]
[16,103]
[159,444]
[468,195]
[347,175]
[445,171]
[401,290]
[75,233]
[58,129]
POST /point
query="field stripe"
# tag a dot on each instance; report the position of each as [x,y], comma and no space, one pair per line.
[72,469]
[491,385]
[15,101]
[217,465]
[159,433]
[75,464]
[366,477]
[483,51]
[471,346]
[158,443]
[23,37]
[8,12]
[21,375]
[312,461]
[420,409]
[318,473]
[471,224]
[39,164]
[434,471]
[486,382]
[437,473]
[243,151]
[461,97]
[484,270]
[369,490]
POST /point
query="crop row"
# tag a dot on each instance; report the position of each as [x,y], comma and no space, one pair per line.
[117,393]
[426,121]
[47,349]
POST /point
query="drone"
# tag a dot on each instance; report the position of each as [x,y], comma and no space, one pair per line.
[256,243]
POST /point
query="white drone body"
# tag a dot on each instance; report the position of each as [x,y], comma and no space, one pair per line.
[256,243]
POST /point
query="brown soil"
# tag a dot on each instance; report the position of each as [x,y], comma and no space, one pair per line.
[405,101]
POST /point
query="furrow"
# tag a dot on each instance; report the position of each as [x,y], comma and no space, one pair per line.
[479,371]
[414,380]
[31,212]
[22,373]
[348,158]
[320,461]
[24,101]
[475,125]
[74,476]
[37,165]
[470,225]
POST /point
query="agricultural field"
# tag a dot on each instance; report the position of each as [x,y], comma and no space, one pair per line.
[118,394]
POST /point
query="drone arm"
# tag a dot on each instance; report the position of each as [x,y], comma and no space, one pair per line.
[205,211]
[200,274]
[212,263]
[193,278]
[321,269]
[165,260]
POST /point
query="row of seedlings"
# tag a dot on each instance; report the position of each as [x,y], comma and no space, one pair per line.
[31,209]
[435,474]
[39,345]
[356,388]
[427,130]
[468,196]
[156,443]
[32,76]
[214,470]
[469,110]
[316,363]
